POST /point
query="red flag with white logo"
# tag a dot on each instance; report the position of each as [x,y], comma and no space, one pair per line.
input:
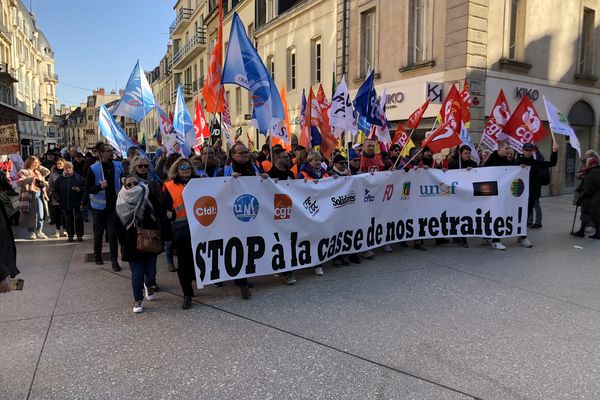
[415,118]
[524,126]
[444,137]
[465,98]
[200,126]
[497,120]
[212,83]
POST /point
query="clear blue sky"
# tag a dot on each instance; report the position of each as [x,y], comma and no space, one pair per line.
[97,42]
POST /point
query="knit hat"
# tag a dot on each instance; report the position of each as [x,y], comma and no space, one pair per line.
[340,159]
[353,154]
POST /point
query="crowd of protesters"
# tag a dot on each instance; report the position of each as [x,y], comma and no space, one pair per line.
[128,198]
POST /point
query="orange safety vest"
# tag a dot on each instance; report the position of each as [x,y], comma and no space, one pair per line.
[294,170]
[266,166]
[306,176]
[176,192]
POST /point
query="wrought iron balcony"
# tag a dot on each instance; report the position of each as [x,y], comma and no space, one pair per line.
[51,77]
[186,89]
[190,49]
[183,17]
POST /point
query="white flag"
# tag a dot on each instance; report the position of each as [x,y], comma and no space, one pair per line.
[383,132]
[559,124]
[468,140]
[341,115]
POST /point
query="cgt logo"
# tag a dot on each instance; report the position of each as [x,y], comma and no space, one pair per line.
[389,192]
[205,210]
[245,207]
[405,191]
[438,190]
[283,206]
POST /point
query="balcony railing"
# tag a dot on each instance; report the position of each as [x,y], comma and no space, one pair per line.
[5,32]
[183,16]
[51,77]
[186,89]
[190,48]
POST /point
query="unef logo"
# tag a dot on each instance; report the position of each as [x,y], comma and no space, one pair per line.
[438,190]
[405,191]
[205,210]
[389,191]
[283,206]
[245,207]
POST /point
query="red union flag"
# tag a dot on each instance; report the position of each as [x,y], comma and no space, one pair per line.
[444,137]
[498,118]
[524,126]
[400,136]
[415,118]
[465,98]
[200,125]
[448,104]
[212,83]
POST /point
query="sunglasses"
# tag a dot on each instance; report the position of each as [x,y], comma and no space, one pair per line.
[131,184]
[143,166]
[184,167]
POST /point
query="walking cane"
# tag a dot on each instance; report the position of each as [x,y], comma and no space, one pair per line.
[574,218]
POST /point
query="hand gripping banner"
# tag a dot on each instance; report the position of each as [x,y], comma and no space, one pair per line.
[248,226]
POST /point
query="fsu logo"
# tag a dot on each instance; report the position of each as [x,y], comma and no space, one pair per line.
[205,210]
[245,207]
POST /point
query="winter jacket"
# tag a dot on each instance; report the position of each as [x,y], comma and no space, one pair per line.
[67,198]
[8,250]
[590,194]
[535,188]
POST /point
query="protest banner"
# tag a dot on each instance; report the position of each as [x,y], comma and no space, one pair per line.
[248,226]
[9,139]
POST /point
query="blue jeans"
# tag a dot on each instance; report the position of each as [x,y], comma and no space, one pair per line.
[142,272]
[38,204]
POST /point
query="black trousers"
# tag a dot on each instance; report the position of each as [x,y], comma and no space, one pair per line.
[57,214]
[73,221]
[105,220]
[185,265]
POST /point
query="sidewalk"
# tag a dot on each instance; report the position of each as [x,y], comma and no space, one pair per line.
[448,323]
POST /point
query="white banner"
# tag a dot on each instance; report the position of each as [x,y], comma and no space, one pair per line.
[248,226]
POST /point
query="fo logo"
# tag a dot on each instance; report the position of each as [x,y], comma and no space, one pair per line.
[517,187]
[283,206]
[245,207]
[205,210]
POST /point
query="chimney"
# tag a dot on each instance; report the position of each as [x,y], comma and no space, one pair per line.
[121,92]
[101,91]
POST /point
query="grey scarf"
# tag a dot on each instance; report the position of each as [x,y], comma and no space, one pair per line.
[131,204]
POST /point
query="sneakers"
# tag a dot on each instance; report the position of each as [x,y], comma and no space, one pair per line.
[498,246]
[387,248]
[138,307]
[154,287]
[319,271]
[368,254]
[148,293]
[41,235]
[33,236]
[64,233]
[56,235]
[187,302]
[290,280]
[525,242]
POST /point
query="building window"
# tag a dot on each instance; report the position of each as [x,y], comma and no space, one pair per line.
[516,28]
[367,42]
[238,101]
[291,68]
[419,31]
[315,54]
[271,66]
[271,4]
[586,49]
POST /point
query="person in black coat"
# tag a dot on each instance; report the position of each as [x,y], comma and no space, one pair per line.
[463,161]
[137,208]
[589,198]
[8,252]
[69,190]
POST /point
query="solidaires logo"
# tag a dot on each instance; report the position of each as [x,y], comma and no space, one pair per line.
[245,207]
[343,200]
[205,210]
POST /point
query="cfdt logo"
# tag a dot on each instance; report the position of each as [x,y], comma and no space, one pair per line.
[517,187]
[369,198]
[405,191]
[245,207]
[205,210]
[311,206]
[438,190]
[343,200]
[283,206]
[389,192]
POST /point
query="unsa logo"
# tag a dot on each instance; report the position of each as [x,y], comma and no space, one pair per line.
[205,210]
[245,207]
[283,206]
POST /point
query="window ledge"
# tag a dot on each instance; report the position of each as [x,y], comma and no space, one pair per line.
[507,62]
[361,78]
[413,67]
[586,78]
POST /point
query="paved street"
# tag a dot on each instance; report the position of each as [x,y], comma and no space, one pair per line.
[448,323]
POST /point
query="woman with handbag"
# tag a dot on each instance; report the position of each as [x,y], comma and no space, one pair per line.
[33,200]
[180,173]
[139,231]
[589,198]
